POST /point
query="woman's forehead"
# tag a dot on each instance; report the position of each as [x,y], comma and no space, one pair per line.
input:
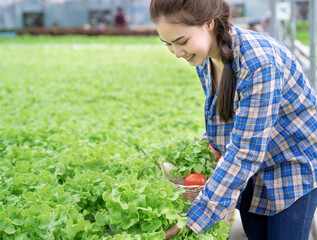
[171,32]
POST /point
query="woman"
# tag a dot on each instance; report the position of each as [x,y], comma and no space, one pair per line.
[260,114]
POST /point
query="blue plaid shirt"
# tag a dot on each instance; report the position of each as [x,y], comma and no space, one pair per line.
[272,137]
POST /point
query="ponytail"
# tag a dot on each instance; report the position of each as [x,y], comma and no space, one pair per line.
[227,85]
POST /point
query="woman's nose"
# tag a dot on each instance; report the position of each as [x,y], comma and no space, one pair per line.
[179,52]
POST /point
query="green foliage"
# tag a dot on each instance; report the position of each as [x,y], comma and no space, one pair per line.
[302,25]
[303,36]
[82,39]
[188,155]
[302,32]
[74,114]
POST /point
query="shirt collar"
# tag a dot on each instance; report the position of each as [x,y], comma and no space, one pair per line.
[235,48]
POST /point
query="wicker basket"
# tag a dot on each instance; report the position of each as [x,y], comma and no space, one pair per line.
[191,192]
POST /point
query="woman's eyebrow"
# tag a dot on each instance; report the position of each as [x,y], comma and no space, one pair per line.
[177,39]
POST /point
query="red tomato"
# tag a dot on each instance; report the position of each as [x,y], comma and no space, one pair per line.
[195,179]
[217,154]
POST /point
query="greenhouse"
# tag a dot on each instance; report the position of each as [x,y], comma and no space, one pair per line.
[136,130]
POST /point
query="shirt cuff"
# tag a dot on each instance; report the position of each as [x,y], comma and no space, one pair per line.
[198,220]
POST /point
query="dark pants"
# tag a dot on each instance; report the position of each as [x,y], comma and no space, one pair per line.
[293,223]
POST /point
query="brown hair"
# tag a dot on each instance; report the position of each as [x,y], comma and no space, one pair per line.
[196,13]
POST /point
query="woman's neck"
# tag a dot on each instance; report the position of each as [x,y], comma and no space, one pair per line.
[218,66]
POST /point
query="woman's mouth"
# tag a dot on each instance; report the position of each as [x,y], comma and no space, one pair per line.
[190,58]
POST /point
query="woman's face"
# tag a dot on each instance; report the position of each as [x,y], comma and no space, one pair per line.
[193,43]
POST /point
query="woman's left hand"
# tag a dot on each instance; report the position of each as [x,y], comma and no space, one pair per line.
[172,231]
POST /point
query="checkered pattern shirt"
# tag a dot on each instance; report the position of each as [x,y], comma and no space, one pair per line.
[271,138]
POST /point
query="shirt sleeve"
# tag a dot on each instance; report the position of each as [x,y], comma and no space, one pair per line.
[260,96]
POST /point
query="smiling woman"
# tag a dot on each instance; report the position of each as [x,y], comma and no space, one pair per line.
[250,82]
[191,43]
[202,33]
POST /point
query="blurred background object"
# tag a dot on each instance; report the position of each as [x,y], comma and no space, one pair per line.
[120,19]
[102,14]
[17,14]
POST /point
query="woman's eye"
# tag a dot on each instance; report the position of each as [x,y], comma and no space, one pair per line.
[168,44]
[183,43]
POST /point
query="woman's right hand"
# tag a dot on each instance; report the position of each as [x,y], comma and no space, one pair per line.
[172,231]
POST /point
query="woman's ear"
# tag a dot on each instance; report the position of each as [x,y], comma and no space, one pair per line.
[210,24]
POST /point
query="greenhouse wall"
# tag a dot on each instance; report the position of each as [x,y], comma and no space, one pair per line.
[73,13]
